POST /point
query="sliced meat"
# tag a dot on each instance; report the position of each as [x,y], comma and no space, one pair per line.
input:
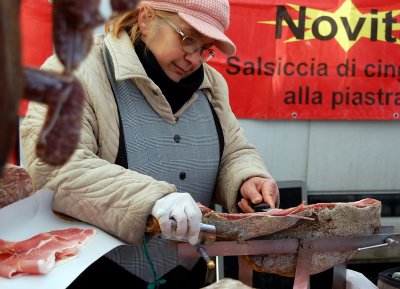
[244,226]
[39,254]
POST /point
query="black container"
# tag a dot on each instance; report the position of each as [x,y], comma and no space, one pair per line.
[386,280]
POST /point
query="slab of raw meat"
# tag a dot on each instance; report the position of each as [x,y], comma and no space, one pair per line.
[307,222]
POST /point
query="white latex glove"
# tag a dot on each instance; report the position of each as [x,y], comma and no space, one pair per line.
[185,211]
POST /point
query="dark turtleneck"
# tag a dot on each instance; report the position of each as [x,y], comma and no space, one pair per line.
[176,93]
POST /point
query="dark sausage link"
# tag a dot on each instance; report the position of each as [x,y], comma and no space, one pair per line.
[73,23]
[10,76]
[79,14]
[44,86]
[124,5]
[61,131]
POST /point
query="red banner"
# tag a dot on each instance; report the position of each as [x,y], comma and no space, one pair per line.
[314,59]
[36,35]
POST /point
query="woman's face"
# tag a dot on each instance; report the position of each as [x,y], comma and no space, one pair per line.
[166,45]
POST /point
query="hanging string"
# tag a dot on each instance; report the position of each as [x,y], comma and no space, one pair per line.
[157,282]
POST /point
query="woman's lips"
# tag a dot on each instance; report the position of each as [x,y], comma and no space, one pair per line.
[180,70]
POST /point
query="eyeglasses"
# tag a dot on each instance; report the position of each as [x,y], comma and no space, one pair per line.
[191,44]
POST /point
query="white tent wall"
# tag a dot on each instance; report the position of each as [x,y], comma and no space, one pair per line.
[330,156]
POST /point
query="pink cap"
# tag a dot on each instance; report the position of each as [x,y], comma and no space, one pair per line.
[209,17]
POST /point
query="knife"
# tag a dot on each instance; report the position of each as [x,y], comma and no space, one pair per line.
[207,236]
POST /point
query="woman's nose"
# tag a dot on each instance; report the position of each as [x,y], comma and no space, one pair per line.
[193,57]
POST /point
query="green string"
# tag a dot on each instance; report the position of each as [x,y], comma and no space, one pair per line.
[156,282]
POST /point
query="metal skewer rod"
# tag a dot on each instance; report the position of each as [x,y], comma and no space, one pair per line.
[387,242]
[210,263]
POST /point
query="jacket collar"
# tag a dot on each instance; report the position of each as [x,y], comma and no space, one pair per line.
[125,60]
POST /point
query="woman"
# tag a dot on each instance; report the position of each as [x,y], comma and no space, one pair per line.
[158,136]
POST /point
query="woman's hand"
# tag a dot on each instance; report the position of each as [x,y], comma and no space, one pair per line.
[258,190]
[185,211]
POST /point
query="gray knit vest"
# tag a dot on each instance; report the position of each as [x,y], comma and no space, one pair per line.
[185,154]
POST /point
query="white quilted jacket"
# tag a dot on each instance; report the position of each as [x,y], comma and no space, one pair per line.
[90,187]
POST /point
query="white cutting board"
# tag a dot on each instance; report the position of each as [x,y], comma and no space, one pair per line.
[33,215]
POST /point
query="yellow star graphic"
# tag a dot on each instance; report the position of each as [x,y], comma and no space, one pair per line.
[347,25]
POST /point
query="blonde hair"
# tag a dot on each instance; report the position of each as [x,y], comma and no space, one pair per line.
[129,22]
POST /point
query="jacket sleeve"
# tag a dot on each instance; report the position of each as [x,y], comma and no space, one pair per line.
[240,160]
[88,187]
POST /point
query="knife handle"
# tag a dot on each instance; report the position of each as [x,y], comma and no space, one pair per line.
[262,207]
[207,234]
[152,225]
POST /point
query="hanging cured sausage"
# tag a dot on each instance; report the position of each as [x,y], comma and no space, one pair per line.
[73,24]
[10,76]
